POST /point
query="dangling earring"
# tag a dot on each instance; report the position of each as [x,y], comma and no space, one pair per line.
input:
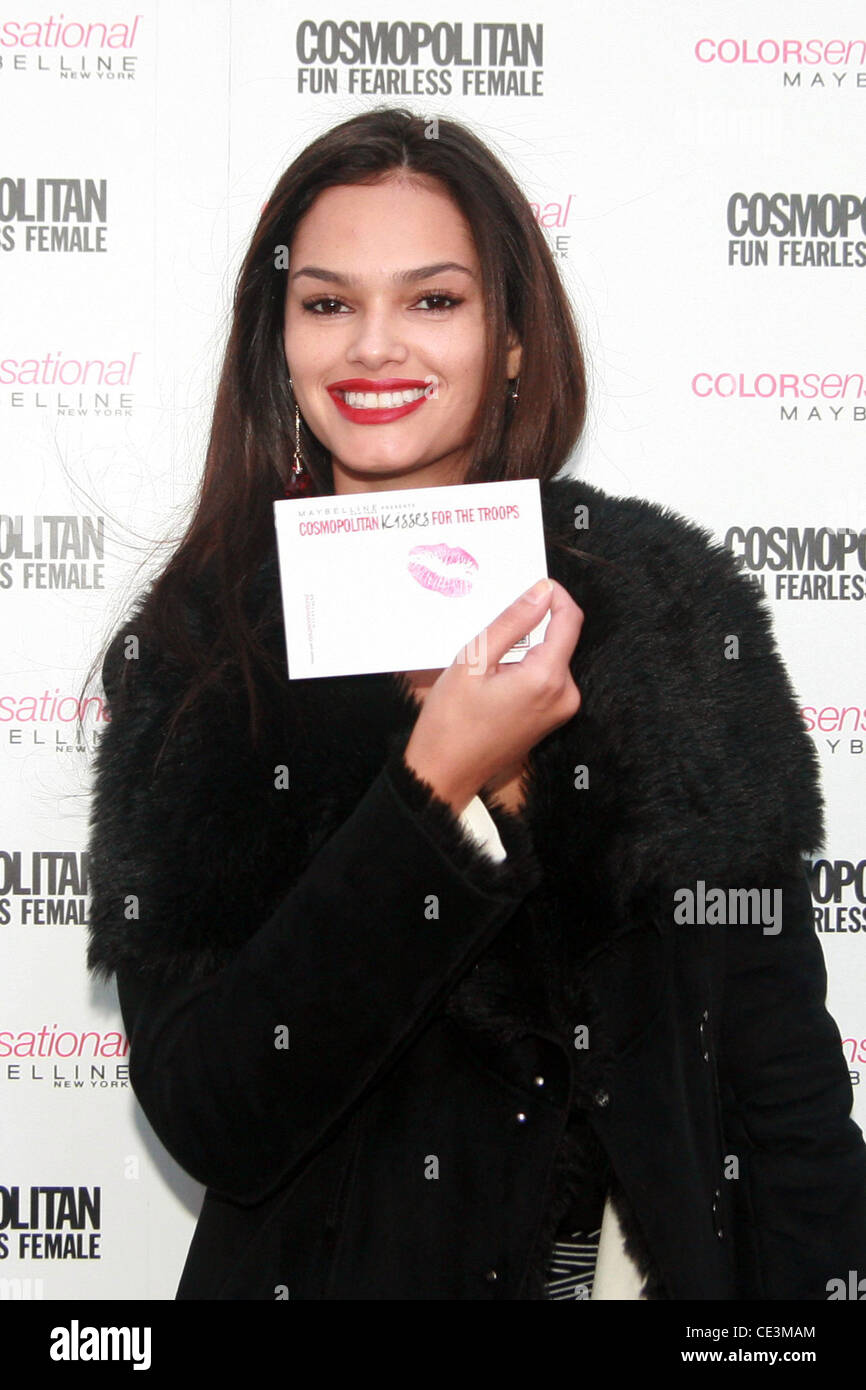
[300,483]
[514,384]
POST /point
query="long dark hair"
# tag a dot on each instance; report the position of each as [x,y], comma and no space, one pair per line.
[252,437]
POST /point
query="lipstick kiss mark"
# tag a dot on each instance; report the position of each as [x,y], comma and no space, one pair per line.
[446,570]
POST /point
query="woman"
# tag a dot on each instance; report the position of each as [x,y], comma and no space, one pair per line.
[432,1020]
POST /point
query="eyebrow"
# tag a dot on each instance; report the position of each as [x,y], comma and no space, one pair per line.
[422,272]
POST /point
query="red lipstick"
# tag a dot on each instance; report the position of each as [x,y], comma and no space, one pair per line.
[444,569]
[374,416]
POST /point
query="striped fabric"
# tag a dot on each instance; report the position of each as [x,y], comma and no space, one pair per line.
[571,1267]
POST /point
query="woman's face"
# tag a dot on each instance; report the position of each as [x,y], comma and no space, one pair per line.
[384,296]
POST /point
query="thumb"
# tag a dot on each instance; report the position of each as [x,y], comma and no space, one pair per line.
[514,622]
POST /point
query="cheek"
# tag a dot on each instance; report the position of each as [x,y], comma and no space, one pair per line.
[468,349]
[459,358]
[299,337]
[305,351]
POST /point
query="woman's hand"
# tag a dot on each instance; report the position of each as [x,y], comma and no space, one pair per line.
[480,718]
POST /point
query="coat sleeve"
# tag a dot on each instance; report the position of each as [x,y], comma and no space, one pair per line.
[787,1099]
[246,1070]
[736,744]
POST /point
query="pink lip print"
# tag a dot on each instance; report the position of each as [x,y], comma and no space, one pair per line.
[446,570]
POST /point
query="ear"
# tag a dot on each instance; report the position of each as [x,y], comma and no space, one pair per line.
[515,356]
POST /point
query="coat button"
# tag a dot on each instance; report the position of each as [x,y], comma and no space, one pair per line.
[716,1214]
[491,1276]
[601,1097]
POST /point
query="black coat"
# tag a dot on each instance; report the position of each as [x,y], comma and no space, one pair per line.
[432,997]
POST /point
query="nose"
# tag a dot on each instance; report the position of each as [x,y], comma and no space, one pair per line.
[378,338]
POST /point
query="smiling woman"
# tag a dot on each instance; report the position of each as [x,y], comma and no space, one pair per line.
[398,954]
[417,331]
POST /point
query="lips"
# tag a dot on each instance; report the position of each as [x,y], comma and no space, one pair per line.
[443,569]
[376,415]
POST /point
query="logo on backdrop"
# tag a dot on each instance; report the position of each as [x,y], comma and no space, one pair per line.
[552,218]
[55,721]
[822,231]
[799,63]
[855,1052]
[53,216]
[799,397]
[51,1223]
[838,889]
[52,552]
[76,51]
[799,563]
[73,386]
[64,1059]
[43,888]
[846,724]
[399,58]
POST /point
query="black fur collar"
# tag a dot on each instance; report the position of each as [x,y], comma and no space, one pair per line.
[698,765]
[698,762]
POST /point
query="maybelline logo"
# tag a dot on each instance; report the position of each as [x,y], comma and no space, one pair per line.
[69,385]
[800,397]
[790,56]
[71,48]
[796,229]
[413,58]
[553,217]
[855,1052]
[49,1041]
[50,1223]
[839,889]
[68,34]
[52,552]
[65,1058]
[811,51]
[53,215]
[26,721]
[845,721]
[43,888]
[804,563]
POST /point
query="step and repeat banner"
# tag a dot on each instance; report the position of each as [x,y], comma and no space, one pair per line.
[699,172]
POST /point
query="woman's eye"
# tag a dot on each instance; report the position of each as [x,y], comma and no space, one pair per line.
[445,301]
[314,305]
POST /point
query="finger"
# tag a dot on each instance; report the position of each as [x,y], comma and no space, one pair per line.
[500,635]
[562,633]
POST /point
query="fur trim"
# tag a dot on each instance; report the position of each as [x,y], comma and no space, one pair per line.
[510,876]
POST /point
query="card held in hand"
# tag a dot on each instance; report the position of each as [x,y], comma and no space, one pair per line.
[404,580]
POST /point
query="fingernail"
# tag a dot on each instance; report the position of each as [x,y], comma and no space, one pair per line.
[538,591]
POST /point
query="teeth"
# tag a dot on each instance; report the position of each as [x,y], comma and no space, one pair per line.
[382,400]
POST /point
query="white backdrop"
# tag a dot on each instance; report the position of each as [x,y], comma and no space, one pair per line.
[730,389]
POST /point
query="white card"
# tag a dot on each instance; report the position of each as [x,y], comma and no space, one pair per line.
[403,580]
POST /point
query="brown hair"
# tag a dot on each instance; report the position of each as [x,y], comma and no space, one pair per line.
[251,445]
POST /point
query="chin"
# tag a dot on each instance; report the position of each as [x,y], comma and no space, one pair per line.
[381,467]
